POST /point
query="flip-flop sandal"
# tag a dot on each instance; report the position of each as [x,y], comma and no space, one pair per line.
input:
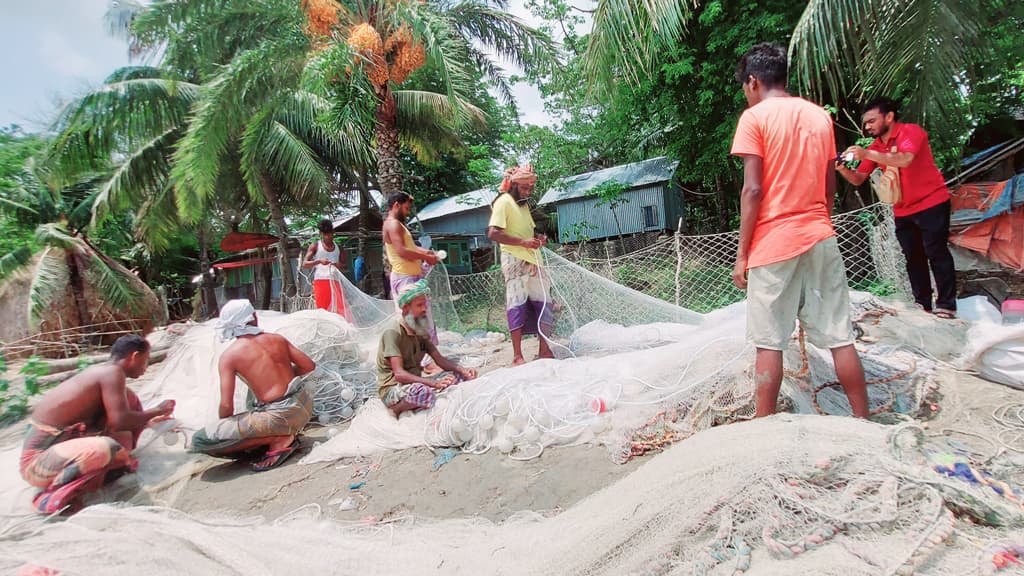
[944,314]
[282,454]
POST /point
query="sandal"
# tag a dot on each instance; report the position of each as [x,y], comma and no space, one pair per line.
[279,456]
[944,314]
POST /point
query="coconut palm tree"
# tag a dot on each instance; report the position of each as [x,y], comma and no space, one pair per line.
[214,119]
[67,258]
[839,49]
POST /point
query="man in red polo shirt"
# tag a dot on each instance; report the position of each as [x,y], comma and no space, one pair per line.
[922,216]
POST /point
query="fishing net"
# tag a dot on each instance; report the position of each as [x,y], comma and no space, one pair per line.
[787,495]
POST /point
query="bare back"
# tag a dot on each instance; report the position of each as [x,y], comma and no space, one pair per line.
[267,362]
[79,399]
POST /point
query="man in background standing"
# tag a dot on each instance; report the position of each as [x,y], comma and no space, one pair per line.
[527,304]
[328,260]
[788,258]
[409,262]
[922,214]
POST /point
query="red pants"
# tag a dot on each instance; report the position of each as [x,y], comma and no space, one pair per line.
[328,296]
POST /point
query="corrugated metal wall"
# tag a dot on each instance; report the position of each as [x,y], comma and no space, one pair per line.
[468,222]
[582,216]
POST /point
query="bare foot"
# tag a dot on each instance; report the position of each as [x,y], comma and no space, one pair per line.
[431,369]
[518,361]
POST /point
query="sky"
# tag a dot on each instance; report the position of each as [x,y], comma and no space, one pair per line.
[53,50]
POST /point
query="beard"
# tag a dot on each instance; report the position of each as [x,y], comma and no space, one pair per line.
[420,326]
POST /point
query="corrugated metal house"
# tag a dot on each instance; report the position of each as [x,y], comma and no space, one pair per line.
[652,201]
[458,225]
[466,214]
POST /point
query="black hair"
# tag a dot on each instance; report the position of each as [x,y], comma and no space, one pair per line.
[125,345]
[767,62]
[398,198]
[884,106]
[325,226]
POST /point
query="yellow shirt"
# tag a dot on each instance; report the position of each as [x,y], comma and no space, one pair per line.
[401,265]
[515,219]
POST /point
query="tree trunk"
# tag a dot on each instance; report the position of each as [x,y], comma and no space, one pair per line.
[618,227]
[723,205]
[266,280]
[73,259]
[364,227]
[277,215]
[389,166]
[210,307]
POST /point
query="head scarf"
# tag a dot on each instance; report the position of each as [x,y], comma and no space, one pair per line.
[522,174]
[412,292]
[234,320]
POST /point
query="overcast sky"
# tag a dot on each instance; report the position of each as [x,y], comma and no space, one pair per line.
[51,50]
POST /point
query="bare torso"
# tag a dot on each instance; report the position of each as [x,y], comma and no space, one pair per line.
[78,399]
[265,361]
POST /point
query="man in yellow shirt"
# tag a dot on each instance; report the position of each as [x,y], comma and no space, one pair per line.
[527,304]
[409,262]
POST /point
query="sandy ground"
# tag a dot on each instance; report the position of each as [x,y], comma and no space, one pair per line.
[490,485]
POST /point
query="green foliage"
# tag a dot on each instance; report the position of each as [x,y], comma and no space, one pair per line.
[14,402]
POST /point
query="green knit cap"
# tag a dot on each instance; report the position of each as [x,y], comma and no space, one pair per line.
[412,292]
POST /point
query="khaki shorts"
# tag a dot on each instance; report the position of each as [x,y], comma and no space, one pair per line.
[811,287]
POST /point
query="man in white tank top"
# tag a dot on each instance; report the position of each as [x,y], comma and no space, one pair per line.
[327,260]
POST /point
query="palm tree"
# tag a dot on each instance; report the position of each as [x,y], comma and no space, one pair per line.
[387,41]
[840,48]
[215,119]
[67,257]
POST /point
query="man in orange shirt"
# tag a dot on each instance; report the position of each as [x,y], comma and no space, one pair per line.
[788,259]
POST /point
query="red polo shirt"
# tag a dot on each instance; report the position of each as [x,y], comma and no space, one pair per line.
[922,183]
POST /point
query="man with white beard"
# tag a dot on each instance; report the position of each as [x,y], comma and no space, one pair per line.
[403,345]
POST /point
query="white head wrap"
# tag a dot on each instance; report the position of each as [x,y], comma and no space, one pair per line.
[234,320]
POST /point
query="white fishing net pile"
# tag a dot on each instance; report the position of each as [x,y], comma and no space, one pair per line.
[787,495]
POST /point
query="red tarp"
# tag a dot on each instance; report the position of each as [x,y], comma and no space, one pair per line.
[241,263]
[1001,238]
[239,241]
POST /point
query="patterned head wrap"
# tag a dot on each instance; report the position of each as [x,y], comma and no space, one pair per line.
[522,174]
[412,292]
[234,320]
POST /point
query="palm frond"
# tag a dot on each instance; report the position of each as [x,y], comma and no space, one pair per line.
[919,49]
[502,33]
[627,37]
[308,115]
[268,147]
[156,220]
[52,234]
[421,110]
[50,280]
[200,35]
[12,261]
[137,105]
[138,175]
[223,111]
[113,285]
[120,15]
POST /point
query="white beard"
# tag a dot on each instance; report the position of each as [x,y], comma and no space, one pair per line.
[419,326]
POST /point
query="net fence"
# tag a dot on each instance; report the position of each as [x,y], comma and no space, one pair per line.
[690,272]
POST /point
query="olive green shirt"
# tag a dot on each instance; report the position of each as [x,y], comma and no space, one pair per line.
[395,341]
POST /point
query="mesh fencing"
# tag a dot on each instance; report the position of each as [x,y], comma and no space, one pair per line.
[691,272]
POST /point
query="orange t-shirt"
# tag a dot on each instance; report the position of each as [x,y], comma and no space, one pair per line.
[794,138]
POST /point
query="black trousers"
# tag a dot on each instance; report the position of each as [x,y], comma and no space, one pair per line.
[924,238]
